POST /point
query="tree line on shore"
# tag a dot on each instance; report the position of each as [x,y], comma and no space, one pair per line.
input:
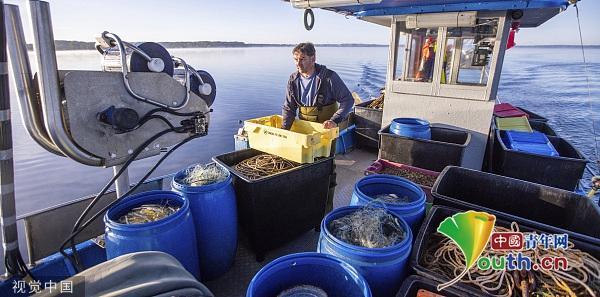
[81,45]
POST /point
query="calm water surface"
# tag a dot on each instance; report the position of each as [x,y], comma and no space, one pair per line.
[251,83]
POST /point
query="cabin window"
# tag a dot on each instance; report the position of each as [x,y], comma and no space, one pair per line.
[399,58]
[419,49]
[468,52]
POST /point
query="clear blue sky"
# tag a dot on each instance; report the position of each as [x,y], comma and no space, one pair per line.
[260,21]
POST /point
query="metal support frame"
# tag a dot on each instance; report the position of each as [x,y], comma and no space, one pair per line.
[10,239]
[456,61]
[393,52]
[406,55]
[50,91]
[49,123]
[498,53]
[440,51]
[30,105]
[122,182]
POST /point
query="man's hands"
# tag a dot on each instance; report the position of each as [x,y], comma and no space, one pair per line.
[329,124]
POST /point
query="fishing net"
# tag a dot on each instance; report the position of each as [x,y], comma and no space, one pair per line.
[369,227]
[264,165]
[419,178]
[200,175]
[377,103]
[391,198]
[147,213]
[303,291]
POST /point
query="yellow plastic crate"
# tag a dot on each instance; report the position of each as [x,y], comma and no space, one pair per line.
[514,123]
[304,142]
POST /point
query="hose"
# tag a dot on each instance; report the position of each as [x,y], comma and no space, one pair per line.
[76,227]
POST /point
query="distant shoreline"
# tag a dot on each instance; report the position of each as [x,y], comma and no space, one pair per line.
[66,45]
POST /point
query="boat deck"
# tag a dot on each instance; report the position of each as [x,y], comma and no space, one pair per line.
[349,167]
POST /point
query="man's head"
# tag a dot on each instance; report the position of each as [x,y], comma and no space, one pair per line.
[304,58]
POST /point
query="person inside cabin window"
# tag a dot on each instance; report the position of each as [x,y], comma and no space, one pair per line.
[319,95]
[425,73]
[445,65]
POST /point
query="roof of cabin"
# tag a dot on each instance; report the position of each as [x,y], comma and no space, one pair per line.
[536,12]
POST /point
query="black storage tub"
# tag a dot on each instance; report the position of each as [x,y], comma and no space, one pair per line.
[545,208]
[368,123]
[533,116]
[562,172]
[542,127]
[446,147]
[430,225]
[275,209]
[412,285]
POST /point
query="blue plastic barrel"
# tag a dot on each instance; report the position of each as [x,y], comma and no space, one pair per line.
[412,211]
[214,211]
[325,272]
[174,235]
[383,268]
[411,127]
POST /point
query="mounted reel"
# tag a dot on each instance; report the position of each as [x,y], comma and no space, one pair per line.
[147,75]
[101,118]
[201,83]
[139,57]
[125,57]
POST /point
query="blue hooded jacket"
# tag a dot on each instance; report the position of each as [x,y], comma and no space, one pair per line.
[333,90]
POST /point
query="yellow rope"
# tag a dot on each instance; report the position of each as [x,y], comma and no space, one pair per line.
[264,165]
[377,103]
[595,187]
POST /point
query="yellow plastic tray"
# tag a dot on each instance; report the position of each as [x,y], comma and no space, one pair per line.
[304,142]
[514,123]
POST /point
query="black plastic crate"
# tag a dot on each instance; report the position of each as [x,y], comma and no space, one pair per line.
[542,127]
[446,147]
[412,285]
[430,225]
[368,123]
[274,210]
[533,116]
[562,172]
[496,148]
[545,208]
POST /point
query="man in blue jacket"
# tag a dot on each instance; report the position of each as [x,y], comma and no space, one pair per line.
[319,95]
[317,92]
